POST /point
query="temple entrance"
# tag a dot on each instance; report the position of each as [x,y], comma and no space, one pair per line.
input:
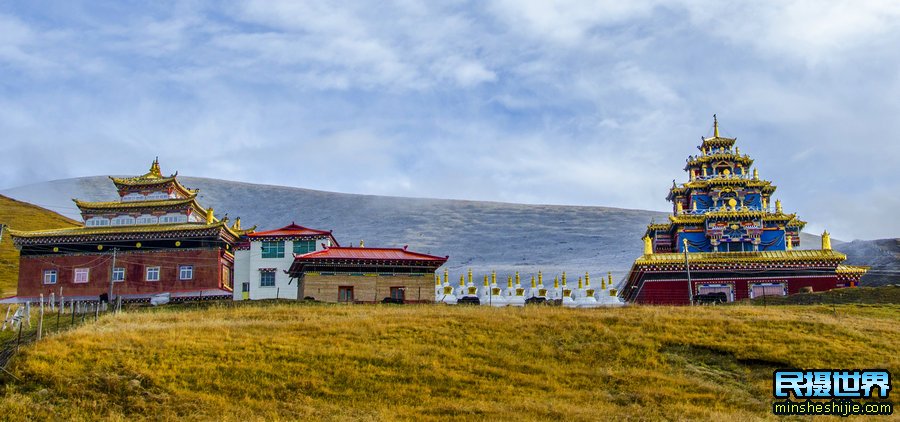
[715,290]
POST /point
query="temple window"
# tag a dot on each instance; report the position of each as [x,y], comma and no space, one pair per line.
[50,276]
[767,289]
[304,246]
[157,196]
[398,293]
[147,219]
[273,249]
[123,220]
[81,275]
[97,222]
[118,274]
[173,218]
[152,274]
[267,279]
[133,197]
[186,272]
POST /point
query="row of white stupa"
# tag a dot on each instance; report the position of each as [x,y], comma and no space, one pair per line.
[514,294]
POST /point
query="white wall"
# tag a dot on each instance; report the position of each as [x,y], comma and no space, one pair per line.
[248,263]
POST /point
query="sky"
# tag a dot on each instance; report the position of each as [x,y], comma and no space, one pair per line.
[566,102]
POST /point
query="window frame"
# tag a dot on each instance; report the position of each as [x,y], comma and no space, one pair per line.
[401,290]
[265,249]
[115,271]
[81,271]
[342,297]
[181,271]
[147,271]
[308,246]
[264,274]
[54,273]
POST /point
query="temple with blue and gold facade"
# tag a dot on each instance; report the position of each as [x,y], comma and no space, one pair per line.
[730,238]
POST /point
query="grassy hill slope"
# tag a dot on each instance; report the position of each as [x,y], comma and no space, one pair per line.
[297,361]
[22,216]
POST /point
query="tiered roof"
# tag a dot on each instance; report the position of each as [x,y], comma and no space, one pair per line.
[151,179]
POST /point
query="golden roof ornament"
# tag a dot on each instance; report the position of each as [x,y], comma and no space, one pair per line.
[648,246]
[789,242]
[826,241]
[154,168]
[755,174]
[715,126]
[778,208]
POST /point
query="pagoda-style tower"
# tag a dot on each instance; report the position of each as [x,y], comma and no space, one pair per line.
[155,239]
[724,207]
[726,240]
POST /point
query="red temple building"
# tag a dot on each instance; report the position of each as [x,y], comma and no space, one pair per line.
[725,242]
[156,238]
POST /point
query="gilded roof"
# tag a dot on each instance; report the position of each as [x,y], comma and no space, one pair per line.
[742,257]
[103,230]
[136,204]
[721,156]
[852,269]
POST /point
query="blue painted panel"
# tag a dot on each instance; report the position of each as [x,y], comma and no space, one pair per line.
[752,200]
[697,242]
[772,241]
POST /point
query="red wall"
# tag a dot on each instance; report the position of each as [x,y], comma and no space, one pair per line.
[674,292]
[207,272]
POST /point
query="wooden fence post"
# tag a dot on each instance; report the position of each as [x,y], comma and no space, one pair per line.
[40,329]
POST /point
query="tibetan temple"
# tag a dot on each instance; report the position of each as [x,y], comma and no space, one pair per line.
[156,238]
[725,241]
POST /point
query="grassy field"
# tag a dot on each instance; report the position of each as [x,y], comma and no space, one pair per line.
[22,216]
[301,361]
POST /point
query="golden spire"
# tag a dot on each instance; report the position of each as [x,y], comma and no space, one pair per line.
[509,282]
[446,276]
[470,276]
[778,206]
[493,277]
[210,217]
[679,208]
[648,246]
[154,168]
[237,224]
[541,278]
[826,241]
[715,127]
[555,282]
[587,279]
[609,273]
[580,286]
[518,284]
[564,278]
[362,244]
[437,280]
[533,285]
[789,242]
[602,283]
[485,280]
[462,281]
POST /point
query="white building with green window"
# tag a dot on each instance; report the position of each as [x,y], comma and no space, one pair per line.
[261,259]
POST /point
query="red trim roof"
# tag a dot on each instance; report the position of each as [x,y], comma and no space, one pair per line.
[290,230]
[373,254]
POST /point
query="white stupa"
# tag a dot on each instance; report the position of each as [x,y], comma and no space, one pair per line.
[567,299]
[587,299]
[495,298]
[608,295]
[447,296]
[517,296]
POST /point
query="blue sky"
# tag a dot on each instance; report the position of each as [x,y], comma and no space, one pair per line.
[569,102]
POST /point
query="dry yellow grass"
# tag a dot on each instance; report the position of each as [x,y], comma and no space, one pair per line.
[22,216]
[295,361]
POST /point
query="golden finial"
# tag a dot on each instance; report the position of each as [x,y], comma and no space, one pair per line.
[789,244]
[509,282]
[485,280]
[437,280]
[737,151]
[470,276]
[587,279]
[517,279]
[648,246]
[679,208]
[154,168]
[602,283]
[694,205]
[555,282]
[778,206]
[564,278]
[493,277]
[580,286]
[609,273]
[446,276]
[362,244]
[237,224]
[533,285]
[685,243]
[210,217]
[462,281]
[715,126]
[826,241]
[541,278]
